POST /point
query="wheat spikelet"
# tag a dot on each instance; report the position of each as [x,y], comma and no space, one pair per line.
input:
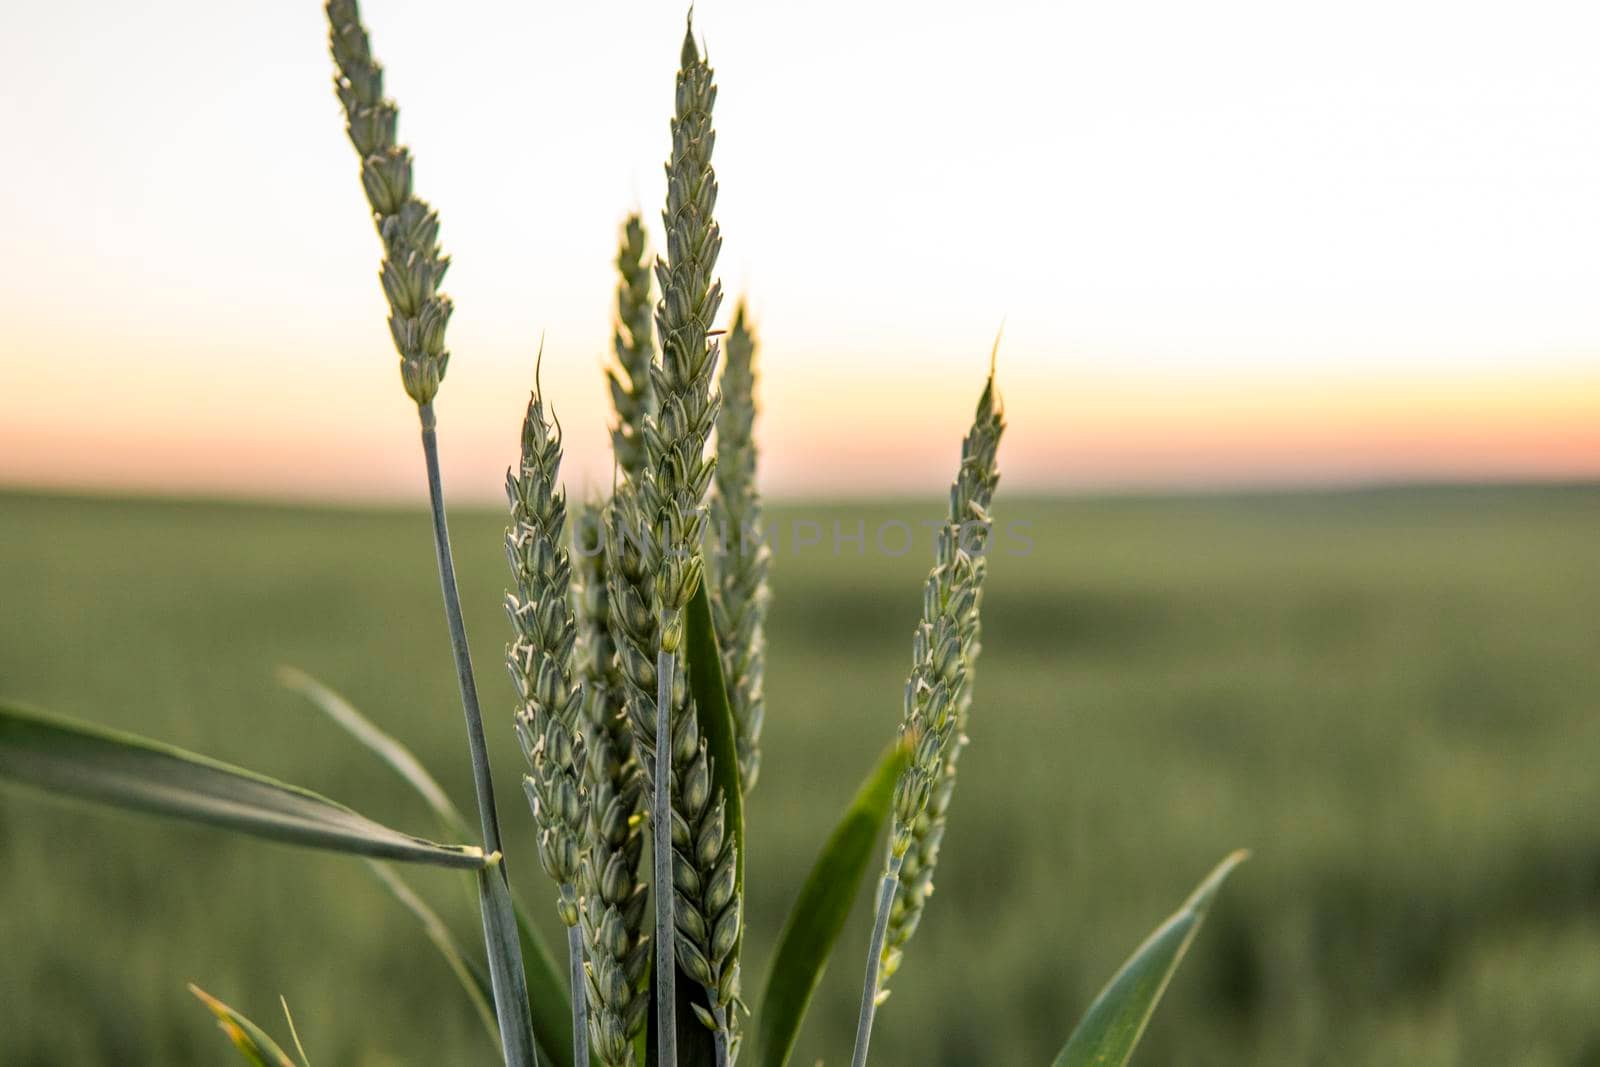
[631,393]
[675,440]
[667,505]
[739,603]
[939,690]
[413,266]
[615,899]
[703,863]
[541,657]
[704,875]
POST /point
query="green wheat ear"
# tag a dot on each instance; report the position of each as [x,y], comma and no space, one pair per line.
[937,696]
[691,851]
[413,266]
[740,565]
[542,662]
[615,898]
[631,392]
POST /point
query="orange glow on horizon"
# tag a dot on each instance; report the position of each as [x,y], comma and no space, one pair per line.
[1099,433]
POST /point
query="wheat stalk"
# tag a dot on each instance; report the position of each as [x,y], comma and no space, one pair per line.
[671,495]
[412,269]
[739,603]
[944,648]
[631,392]
[615,899]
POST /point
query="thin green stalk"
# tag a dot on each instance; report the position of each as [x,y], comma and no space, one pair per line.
[505,954]
[412,270]
[580,999]
[719,1037]
[869,989]
[481,782]
[661,821]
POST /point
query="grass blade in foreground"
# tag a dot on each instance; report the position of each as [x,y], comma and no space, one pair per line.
[253,1044]
[115,768]
[1115,1022]
[547,991]
[384,745]
[466,970]
[820,911]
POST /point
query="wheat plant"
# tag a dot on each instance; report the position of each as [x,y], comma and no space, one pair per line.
[636,650]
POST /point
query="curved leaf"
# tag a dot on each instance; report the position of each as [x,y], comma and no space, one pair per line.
[547,988]
[466,969]
[715,717]
[1112,1026]
[95,763]
[253,1044]
[715,714]
[385,746]
[819,912]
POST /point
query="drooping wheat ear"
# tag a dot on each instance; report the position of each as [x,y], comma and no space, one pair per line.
[741,562]
[542,664]
[938,691]
[614,897]
[413,266]
[631,393]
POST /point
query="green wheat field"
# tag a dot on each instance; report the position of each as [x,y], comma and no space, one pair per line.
[1391,697]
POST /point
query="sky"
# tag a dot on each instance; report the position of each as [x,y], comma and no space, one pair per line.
[1230,244]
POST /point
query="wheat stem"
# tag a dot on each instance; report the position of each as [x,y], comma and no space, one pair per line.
[510,994]
[580,999]
[482,784]
[661,821]
[869,988]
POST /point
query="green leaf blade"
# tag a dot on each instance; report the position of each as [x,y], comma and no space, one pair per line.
[819,912]
[466,969]
[380,743]
[547,986]
[1114,1023]
[253,1043]
[111,767]
[715,715]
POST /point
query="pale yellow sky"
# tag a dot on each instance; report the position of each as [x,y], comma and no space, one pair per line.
[1232,242]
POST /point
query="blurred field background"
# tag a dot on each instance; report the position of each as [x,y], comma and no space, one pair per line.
[1391,696]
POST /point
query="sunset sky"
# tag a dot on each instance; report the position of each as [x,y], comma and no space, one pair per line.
[1231,244]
